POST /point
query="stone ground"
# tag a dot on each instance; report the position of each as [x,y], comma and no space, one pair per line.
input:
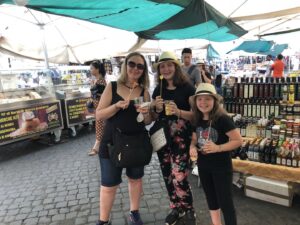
[57,184]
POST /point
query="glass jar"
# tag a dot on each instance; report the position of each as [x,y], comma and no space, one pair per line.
[276,129]
[297,109]
[282,135]
[283,124]
[290,124]
[289,133]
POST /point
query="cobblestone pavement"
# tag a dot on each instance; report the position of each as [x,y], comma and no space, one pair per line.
[41,183]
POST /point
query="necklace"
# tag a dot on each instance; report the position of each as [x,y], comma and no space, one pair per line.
[130,87]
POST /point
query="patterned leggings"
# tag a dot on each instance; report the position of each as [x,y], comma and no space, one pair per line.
[174,165]
[99,124]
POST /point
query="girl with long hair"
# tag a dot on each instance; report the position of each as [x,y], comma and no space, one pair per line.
[171,104]
[214,137]
[118,109]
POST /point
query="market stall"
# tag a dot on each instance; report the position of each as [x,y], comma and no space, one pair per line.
[28,106]
[275,172]
[73,92]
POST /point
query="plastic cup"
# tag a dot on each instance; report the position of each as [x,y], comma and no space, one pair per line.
[138,101]
[168,107]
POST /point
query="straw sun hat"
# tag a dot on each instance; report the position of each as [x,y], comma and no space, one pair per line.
[167,56]
[206,89]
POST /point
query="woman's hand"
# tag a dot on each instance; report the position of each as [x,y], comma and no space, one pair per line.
[159,104]
[210,147]
[193,151]
[144,109]
[122,104]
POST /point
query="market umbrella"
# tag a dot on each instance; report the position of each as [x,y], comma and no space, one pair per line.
[149,19]
[32,34]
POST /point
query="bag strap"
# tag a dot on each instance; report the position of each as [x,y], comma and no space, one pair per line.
[113,89]
[191,69]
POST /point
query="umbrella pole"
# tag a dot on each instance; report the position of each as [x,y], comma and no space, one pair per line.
[44,47]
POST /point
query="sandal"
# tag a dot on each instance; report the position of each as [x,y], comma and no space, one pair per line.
[93,152]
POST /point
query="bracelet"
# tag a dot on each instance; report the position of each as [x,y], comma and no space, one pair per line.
[157,112]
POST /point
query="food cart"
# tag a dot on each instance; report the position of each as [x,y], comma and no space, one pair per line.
[73,92]
[28,106]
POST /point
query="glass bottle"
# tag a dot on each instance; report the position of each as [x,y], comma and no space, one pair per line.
[256,89]
[241,88]
[236,89]
[261,153]
[291,94]
[277,89]
[246,89]
[273,152]
[285,93]
[279,153]
[271,88]
[250,95]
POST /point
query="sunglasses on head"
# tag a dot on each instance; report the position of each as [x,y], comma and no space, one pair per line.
[138,66]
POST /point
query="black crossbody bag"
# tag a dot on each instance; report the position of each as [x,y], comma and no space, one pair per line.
[130,150]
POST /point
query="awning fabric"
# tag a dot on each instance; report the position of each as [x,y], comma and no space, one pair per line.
[275,50]
[212,53]
[254,46]
[149,19]
[261,47]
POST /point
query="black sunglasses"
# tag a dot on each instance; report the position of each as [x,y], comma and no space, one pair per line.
[138,66]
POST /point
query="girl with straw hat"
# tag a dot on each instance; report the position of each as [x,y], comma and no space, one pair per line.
[171,103]
[213,139]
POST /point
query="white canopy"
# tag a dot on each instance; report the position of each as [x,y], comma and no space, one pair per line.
[71,40]
[23,30]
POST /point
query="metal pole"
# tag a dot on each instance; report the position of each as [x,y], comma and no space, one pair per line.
[44,46]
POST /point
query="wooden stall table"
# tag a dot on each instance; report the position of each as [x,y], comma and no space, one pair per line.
[270,171]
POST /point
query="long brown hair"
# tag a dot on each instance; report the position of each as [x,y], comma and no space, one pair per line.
[179,77]
[214,114]
[143,80]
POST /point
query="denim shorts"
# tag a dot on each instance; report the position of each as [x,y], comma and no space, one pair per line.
[112,176]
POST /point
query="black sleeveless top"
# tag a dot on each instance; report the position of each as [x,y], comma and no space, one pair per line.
[125,120]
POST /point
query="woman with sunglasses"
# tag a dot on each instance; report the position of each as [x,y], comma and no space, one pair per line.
[171,104]
[118,109]
[213,139]
[98,85]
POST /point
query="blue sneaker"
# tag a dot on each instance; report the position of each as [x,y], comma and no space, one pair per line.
[134,218]
[107,223]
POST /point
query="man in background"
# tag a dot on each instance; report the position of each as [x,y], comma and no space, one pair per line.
[278,67]
[268,63]
[190,69]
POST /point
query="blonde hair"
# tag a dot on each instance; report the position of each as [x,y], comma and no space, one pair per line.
[143,80]
[216,112]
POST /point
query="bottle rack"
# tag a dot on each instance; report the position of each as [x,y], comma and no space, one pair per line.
[261,97]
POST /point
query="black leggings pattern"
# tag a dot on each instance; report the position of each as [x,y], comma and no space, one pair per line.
[175,167]
[217,186]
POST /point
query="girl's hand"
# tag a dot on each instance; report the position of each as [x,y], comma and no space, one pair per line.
[174,110]
[159,104]
[210,147]
[122,104]
[193,151]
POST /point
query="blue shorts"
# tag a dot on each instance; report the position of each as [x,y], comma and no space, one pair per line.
[112,176]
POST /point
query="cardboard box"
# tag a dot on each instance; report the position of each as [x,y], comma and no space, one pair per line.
[278,192]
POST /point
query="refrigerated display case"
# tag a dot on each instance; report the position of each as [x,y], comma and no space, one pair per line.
[28,106]
[74,92]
